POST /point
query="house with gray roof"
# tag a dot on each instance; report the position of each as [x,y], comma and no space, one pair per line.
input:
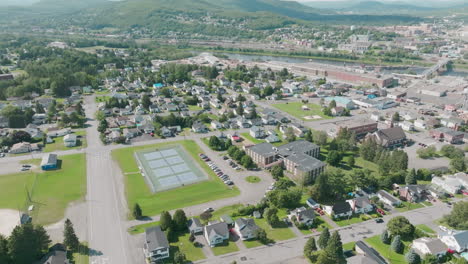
[246,228]
[216,233]
[455,240]
[361,205]
[371,256]
[195,226]
[156,245]
[390,137]
[429,245]
[57,255]
[303,215]
[387,198]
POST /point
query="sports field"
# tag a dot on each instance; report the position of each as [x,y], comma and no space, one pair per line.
[138,191]
[295,109]
[50,192]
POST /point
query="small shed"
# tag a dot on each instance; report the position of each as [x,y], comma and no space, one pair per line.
[49,162]
[228,220]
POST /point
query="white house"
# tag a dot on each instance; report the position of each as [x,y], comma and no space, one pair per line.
[216,125]
[257,132]
[420,124]
[215,233]
[303,215]
[339,210]
[455,240]
[449,184]
[246,228]
[156,245]
[427,245]
[361,205]
[69,140]
[387,198]
[406,125]
[195,226]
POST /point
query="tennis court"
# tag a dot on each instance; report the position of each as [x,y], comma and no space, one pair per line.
[168,168]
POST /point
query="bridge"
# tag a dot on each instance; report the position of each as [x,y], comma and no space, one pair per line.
[437,69]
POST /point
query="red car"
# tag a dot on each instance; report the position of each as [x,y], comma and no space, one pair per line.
[380,211]
[320,211]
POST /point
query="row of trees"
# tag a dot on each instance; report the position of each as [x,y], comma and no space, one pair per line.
[240,156]
[331,249]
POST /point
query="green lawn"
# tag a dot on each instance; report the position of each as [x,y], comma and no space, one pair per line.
[364,164]
[349,246]
[320,225]
[295,110]
[185,246]
[137,191]
[252,243]
[253,179]
[138,229]
[102,99]
[50,191]
[425,229]
[353,220]
[278,233]
[225,248]
[194,108]
[248,137]
[58,143]
[82,256]
[386,251]
[407,206]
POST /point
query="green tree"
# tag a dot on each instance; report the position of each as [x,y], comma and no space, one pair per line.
[412,257]
[277,172]
[308,136]
[458,164]
[70,239]
[262,236]
[214,143]
[247,162]
[397,245]
[179,257]
[271,216]
[385,237]
[411,177]
[137,212]
[310,247]
[332,104]
[458,217]
[290,136]
[351,161]
[333,252]
[396,117]
[171,234]
[165,220]
[4,255]
[146,101]
[320,190]
[240,110]
[320,138]
[180,220]
[430,259]
[27,243]
[334,158]
[400,226]
[323,239]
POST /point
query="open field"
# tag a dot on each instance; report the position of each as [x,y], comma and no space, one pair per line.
[137,191]
[295,110]
[50,191]
[58,143]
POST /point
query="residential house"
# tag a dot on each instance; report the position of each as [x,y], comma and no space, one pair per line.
[216,125]
[429,246]
[55,132]
[166,132]
[39,119]
[420,124]
[129,133]
[199,127]
[49,162]
[273,138]
[23,147]
[413,193]
[406,125]
[339,210]
[341,102]
[195,226]
[57,255]
[156,245]
[303,215]
[370,255]
[312,203]
[453,123]
[257,132]
[389,137]
[216,233]
[337,111]
[450,185]
[69,140]
[228,220]
[34,131]
[114,135]
[387,198]
[246,228]
[455,240]
[361,205]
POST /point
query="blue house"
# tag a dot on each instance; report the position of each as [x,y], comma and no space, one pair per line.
[49,162]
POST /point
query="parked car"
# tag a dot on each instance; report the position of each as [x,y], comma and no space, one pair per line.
[209,209]
[379,220]
[26,166]
[229,182]
[24,169]
[225,157]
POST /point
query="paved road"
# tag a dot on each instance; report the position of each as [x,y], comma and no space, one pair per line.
[107,236]
[292,250]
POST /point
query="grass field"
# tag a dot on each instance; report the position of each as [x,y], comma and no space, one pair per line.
[185,246]
[278,233]
[253,179]
[425,229]
[353,220]
[194,108]
[138,229]
[137,191]
[58,143]
[349,246]
[225,248]
[295,109]
[386,251]
[50,191]
[407,206]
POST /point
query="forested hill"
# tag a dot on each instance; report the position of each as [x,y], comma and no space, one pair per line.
[189,16]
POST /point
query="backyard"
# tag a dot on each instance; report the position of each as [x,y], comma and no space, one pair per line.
[137,190]
[58,145]
[386,251]
[51,192]
[295,109]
